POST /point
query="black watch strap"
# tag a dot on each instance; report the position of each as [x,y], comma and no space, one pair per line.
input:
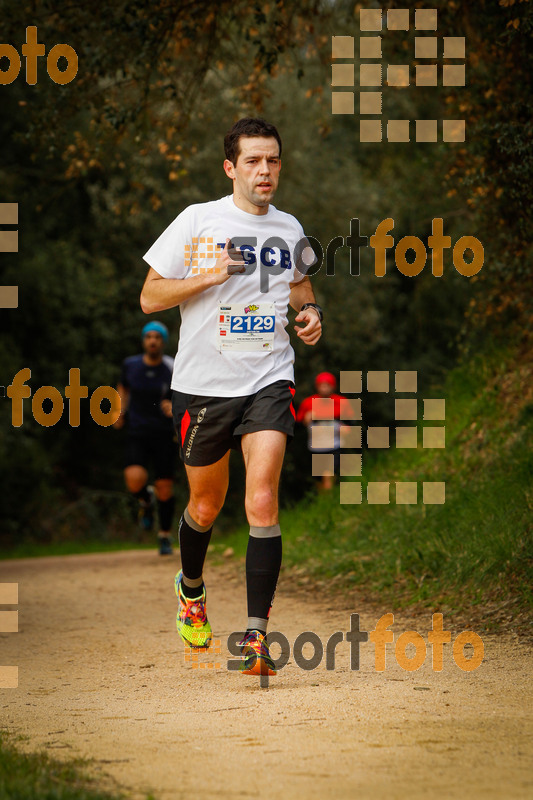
[315,306]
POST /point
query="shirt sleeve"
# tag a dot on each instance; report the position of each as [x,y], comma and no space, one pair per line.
[170,254]
[169,363]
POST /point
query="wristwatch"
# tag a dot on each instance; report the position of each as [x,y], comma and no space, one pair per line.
[316,307]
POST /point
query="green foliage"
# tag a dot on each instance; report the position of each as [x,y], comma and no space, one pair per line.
[36,775]
[477,547]
[101,165]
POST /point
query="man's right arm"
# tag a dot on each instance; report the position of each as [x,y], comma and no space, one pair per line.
[160,293]
[124,395]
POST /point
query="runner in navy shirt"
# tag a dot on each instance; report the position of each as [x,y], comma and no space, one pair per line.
[144,390]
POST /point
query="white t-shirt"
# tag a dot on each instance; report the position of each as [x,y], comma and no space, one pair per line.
[188,247]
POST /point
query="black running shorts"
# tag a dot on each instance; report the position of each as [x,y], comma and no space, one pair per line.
[207,427]
[152,449]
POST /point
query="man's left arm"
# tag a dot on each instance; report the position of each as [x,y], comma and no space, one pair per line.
[302,293]
[166,401]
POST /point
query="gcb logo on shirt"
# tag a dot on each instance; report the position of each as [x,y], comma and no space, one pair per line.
[267,254]
[273,253]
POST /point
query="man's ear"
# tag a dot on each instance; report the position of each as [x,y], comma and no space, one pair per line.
[229,169]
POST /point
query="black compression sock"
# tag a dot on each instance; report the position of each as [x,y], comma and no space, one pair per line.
[192,592]
[165,510]
[263,562]
[194,541]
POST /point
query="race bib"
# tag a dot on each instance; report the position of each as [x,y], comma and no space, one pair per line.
[246,327]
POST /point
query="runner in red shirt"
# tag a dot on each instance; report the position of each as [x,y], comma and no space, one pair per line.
[318,420]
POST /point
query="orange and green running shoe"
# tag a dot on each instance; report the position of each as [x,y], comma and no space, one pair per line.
[191,619]
[255,655]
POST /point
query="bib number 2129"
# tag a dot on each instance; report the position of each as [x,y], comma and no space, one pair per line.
[251,323]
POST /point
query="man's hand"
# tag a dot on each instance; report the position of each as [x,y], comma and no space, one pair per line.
[166,407]
[124,395]
[160,293]
[228,263]
[312,331]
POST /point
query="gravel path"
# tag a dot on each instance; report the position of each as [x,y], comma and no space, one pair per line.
[103,675]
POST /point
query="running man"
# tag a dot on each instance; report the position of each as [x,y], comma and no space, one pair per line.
[325,429]
[229,265]
[145,394]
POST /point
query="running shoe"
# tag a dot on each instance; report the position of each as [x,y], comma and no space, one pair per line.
[191,619]
[255,655]
[165,546]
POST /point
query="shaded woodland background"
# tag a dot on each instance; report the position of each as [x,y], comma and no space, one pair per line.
[100,166]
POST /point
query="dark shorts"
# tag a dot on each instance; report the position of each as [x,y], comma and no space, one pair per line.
[207,427]
[152,449]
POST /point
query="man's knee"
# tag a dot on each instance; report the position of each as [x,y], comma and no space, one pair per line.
[204,510]
[262,502]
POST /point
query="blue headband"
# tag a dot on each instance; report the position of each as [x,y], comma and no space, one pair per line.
[158,327]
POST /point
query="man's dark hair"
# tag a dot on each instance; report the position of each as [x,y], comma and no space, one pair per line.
[247,126]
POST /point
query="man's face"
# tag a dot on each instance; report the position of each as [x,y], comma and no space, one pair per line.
[324,389]
[153,344]
[255,175]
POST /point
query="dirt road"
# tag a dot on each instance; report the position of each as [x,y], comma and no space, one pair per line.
[102,674]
